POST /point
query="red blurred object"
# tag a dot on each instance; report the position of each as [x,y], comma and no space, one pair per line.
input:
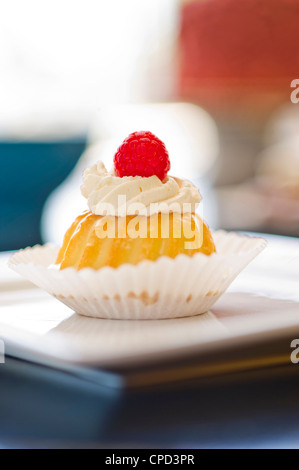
[239,53]
[142,154]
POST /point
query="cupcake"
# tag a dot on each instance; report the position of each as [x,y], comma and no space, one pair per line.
[140,251]
[136,212]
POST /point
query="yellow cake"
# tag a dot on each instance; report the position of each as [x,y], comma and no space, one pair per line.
[82,247]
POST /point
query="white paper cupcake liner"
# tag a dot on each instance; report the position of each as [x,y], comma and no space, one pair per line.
[166,288]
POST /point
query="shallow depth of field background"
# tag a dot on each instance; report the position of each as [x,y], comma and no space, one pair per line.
[212,78]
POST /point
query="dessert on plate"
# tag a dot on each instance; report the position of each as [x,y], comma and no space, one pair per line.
[140,251]
[136,212]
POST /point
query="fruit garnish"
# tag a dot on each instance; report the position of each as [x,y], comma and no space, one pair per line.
[142,154]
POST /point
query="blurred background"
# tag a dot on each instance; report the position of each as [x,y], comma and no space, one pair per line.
[212,78]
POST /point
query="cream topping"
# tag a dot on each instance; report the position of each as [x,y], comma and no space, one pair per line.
[108,194]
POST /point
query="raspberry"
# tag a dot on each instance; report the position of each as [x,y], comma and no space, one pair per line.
[142,154]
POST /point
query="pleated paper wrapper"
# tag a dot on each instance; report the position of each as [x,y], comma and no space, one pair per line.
[166,288]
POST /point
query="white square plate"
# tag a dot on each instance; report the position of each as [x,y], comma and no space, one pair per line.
[261,304]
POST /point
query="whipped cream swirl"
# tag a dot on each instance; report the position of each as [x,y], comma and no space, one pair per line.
[108,194]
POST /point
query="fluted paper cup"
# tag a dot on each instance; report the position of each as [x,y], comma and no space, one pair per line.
[165,288]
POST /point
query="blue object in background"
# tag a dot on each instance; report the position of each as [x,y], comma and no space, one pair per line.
[29,172]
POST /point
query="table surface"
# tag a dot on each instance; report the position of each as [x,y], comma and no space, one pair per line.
[43,407]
